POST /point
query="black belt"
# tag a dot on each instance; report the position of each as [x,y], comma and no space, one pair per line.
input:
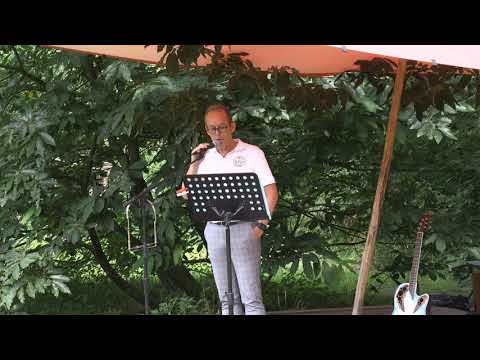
[231,224]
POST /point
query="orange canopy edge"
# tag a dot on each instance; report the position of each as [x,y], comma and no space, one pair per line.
[312,60]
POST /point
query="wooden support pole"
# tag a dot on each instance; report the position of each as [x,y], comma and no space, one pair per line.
[476,290]
[381,186]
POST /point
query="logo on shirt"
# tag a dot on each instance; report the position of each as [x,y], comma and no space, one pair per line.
[239,161]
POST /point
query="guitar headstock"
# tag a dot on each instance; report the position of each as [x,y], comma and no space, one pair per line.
[425,222]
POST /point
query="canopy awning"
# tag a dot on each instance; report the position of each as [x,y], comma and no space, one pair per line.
[313,60]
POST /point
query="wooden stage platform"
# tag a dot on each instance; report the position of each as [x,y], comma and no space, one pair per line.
[367,310]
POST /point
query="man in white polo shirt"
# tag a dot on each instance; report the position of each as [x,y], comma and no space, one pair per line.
[235,156]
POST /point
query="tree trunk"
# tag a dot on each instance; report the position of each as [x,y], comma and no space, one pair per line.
[113,275]
[179,278]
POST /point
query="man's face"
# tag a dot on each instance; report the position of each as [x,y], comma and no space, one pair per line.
[219,127]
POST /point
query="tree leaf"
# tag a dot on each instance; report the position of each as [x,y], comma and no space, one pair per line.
[329,273]
[431,239]
[177,255]
[129,120]
[116,120]
[30,290]
[47,138]
[40,147]
[307,267]
[55,289]
[74,235]
[21,295]
[444,122]
[27,260]
[475,252]
[62,287]
[437,135]
[60,277]
[10,296]
[448,133]
[423,130]
[369,105]
[125,72]
[138,165]
[317,269]
[440,245]
[27,216]
[294,267]
[111,70]
[99,205]
[39,284]
[15,272]
[170,235]
[416,125]
[87,210]
[106,224]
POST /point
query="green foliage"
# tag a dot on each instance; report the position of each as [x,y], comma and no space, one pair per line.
[88,296]
[21,274]
[82,134]
[183,305]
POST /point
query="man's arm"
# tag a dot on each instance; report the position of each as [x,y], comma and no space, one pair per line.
[271,193]
[193,168]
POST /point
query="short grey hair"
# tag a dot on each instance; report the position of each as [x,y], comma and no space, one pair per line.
[219,106]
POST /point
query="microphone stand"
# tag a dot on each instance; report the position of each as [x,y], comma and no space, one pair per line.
[141,201]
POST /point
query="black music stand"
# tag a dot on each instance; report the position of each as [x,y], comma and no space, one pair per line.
[226,198]
[141,201]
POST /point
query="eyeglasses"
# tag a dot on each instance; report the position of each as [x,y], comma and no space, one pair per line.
[220,129]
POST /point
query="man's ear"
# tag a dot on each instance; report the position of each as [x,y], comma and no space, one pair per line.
[234,126]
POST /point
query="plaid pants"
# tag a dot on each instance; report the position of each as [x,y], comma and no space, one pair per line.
[245,252]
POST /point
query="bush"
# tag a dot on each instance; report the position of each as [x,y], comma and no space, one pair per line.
[184,305]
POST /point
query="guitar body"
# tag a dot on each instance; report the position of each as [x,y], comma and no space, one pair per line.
[405,304]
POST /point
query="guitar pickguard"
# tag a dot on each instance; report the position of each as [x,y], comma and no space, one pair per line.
[400,295]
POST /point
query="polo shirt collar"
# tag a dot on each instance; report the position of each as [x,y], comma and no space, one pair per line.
[240,146]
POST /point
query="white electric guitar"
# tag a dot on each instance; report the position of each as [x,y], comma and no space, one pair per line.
[406,300]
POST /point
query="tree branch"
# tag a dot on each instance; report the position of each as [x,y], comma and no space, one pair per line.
[19,59]
[347,244]
[90,164]
[22,69]
[347,230]
[196,261]
[110,271]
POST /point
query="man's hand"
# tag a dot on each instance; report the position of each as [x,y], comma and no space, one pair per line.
[196,152]
[257,232]
[192,170]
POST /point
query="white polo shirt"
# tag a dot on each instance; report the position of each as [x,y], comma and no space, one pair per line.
[243,158]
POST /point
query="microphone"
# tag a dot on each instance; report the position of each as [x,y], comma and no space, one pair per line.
[201,153]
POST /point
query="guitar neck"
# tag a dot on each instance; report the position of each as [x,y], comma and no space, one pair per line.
[415,264]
